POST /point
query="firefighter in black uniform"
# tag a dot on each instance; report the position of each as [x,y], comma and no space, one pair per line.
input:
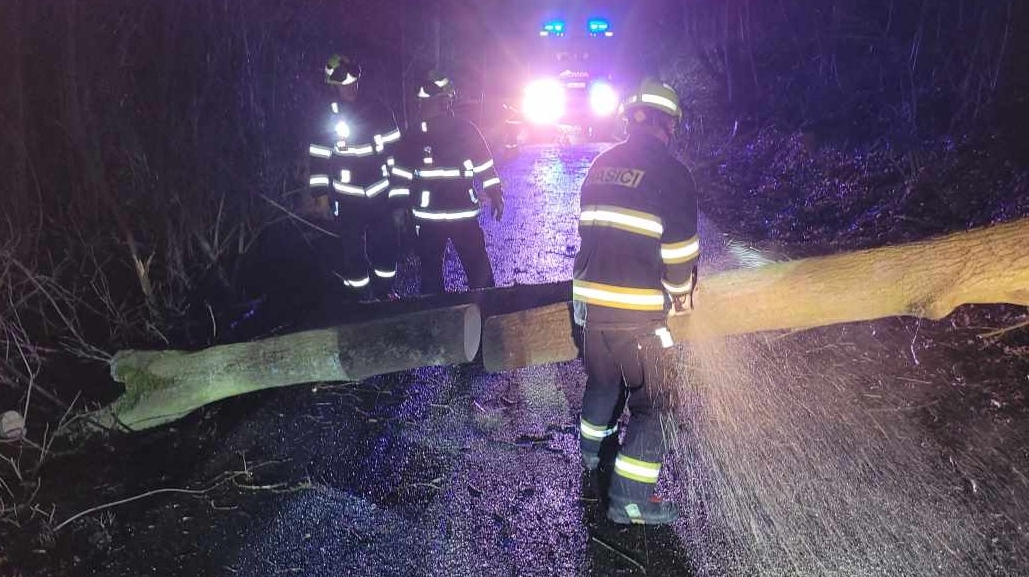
[349,176]
[438,166]
[636,265]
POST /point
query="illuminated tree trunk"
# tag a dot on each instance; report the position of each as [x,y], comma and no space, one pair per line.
[161,386]
[924,279]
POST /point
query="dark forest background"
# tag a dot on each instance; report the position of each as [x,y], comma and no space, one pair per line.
[149,150]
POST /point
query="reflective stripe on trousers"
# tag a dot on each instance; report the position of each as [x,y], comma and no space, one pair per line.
[635,354]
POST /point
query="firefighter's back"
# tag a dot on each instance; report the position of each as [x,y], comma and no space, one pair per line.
[626,194]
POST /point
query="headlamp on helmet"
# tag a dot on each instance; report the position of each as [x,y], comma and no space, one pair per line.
[341,70]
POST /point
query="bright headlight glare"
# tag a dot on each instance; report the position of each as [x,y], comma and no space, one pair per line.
[603,99]
[342,130]
[544,102]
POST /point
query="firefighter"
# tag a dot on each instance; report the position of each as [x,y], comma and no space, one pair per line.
[636,265]
[349,177]
[445,168]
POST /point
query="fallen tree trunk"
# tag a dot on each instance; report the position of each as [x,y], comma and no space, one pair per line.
[161,386]
[925,279]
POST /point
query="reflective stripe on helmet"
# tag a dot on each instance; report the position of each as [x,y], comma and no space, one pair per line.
[654,94]
[660,101]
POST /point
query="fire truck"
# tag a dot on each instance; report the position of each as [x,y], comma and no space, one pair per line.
[569,84]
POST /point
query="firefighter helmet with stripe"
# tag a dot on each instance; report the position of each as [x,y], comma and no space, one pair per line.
[341,70]
[436,84]
[651,94]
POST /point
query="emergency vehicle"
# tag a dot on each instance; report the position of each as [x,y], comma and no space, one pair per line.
[569,81]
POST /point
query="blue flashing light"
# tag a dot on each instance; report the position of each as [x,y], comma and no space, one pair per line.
[554,26]
[598,25]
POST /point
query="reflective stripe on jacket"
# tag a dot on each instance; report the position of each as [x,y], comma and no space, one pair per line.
[638,224]
[437,166]
[352,155]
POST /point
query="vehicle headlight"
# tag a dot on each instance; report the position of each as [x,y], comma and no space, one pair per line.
[603,99]
[544,101]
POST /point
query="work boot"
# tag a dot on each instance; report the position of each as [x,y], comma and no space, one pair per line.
[651,512]
[591,490]
[596,478]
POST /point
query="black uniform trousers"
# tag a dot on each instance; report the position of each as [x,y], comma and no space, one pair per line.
[369,242]
[624,368]
[470,245]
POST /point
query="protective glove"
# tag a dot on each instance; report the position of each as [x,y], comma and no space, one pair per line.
[685,303]
[579,313]
[682,305]
[497,204]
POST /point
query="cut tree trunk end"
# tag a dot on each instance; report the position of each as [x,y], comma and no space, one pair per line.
[162,386]
[926,279]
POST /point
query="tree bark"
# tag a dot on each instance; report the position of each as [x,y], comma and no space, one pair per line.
[924,279]
[162,386]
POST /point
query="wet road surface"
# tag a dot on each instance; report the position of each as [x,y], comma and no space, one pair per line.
[451,471]
[444,471]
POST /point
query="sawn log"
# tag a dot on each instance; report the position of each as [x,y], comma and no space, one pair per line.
[161,386]
[926,279]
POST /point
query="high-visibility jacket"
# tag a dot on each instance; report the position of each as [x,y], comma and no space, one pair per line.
[436,166]
[638,225]
[350,161]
